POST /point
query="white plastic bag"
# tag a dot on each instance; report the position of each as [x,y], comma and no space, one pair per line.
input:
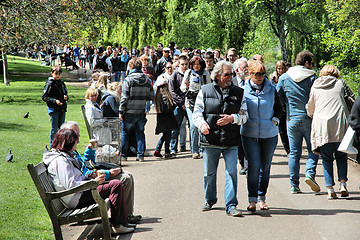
[346,144]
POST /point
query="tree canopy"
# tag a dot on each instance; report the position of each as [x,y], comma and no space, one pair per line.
[278,28]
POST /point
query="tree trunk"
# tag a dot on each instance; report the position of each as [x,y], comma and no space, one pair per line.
[282,40]
[280,27]
[5,67]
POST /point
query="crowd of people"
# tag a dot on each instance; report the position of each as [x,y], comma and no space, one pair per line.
[231,107]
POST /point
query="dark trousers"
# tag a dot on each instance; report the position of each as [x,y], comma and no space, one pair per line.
[114,191]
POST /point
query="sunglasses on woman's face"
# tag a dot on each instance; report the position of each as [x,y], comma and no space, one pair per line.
[168,67]
[259,74]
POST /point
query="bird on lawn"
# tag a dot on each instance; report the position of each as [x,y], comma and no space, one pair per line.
[26,115]
[9,156]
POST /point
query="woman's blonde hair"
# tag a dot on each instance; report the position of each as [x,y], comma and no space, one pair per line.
[131,64]
[279,63]
[256,66]
[330,70]
[144,57]
[103,79]
[113,89]
[94,77]
[91,92]
[114,86]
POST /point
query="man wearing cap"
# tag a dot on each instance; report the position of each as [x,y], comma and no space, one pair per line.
[160,65]
[102,62]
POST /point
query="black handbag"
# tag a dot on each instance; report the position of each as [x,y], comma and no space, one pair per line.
[90,164]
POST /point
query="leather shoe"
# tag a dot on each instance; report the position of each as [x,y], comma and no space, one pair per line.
[252,207]
[134,219]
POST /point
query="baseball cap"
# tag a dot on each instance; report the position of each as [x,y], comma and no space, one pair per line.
[100,49]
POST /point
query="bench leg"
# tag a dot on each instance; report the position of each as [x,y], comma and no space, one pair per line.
[57,230]
[105,224]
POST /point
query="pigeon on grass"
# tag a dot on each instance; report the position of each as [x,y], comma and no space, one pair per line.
[9,156]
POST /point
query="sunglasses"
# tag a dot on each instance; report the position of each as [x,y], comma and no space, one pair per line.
[226,74]
[168,67]
[166,51]
[259,74]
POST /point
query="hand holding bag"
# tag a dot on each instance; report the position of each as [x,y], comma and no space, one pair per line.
[346,144]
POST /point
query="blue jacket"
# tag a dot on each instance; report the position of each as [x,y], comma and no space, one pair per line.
[89,154]
[261,112]
[294,90]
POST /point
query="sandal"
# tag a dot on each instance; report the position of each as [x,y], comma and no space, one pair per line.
[252,207]
[263,205]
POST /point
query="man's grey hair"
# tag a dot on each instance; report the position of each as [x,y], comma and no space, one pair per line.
[238,61]
[218,68]
[68,125]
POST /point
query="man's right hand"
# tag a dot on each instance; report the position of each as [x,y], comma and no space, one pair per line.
[121,117]
[58,102]
[204,128]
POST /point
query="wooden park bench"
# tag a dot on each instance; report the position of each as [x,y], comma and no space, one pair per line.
[58,212]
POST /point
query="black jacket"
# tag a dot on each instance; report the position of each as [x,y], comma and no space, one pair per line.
[215,104]
[55,90]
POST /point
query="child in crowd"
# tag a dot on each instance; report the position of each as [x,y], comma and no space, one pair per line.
[55,95]
[165,119]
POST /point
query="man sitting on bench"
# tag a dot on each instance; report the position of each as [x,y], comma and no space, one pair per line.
[125,177]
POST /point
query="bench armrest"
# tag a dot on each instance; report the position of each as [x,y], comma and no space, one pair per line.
[91,184]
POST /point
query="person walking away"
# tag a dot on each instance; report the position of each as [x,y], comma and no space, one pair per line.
[220,108]
[165,119]
[136,90]
[329,113]
[55,95]
[294,89]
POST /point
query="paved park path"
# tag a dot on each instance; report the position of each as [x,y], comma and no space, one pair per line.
[169,195]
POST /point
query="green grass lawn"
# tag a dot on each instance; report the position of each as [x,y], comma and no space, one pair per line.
[23,215]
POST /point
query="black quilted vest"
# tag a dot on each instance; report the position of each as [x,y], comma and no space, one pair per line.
[214,105]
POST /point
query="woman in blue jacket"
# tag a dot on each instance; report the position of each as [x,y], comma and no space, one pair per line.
[260,133]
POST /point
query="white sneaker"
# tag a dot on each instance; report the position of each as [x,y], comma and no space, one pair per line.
[123,229]
[343,190]
[331,194]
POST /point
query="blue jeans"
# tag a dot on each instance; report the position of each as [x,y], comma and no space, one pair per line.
[182,134]
[130,122]
[179,114]
[117,76]
[56,119]
[165,138]
[194,133]
[259,153]
[298,129]
[211,158]
[327,154]
[123,76]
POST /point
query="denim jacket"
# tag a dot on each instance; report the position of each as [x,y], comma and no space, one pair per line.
[261,112]
[294,90]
